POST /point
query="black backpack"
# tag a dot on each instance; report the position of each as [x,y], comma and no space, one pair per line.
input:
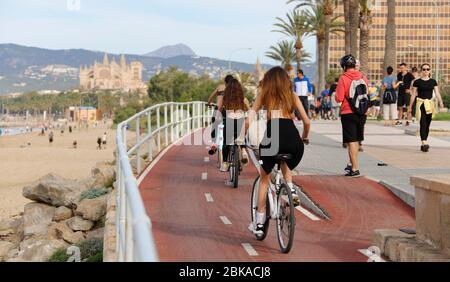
[389,96]
[359,97]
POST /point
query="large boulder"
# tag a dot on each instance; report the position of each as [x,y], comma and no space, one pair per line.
[77,223]
[5,248]
[104,174]
[92,209]
[40,251]
[11,230]
[96,234]
[57,191]
[62,213]
[64,232]
[36,219]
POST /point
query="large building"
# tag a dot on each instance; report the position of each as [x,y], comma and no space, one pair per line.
[423,36]
[112,76]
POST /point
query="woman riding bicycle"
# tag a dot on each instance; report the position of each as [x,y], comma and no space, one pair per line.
[281,137]
[233,107]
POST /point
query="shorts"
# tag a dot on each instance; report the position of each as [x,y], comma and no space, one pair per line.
[287,141]
[403,100]
[390,112]
[353,128]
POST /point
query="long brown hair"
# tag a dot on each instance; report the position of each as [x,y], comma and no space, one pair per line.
[233,98]
[276,91]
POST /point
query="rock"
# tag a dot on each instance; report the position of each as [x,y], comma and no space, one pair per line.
[40,251]
[64,232]
[13,253]
[56,191]
[36,218]
[77,223]
[11,230]
[92,209]
[104,174]
[5,248]
[62,213]
[25,244]
[96,234]
[381,236]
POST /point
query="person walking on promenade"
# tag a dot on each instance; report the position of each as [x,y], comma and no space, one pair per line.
[99,143]
[404,80]
[335,106]
[390,113]
[425,108]
[416,74]
[104,140]
[352,91]
[302,88]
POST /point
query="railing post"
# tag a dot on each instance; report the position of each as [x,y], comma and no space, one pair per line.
[129,240]
[166,130]
[122,219]
[177,119]
[188,118]
[138,149]
[150,133]
[171,123]
[158,126]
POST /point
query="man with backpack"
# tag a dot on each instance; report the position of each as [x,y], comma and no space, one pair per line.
[352,91]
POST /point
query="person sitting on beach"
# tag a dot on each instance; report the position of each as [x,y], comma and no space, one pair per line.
[50,137]
[75,143]
[99,142]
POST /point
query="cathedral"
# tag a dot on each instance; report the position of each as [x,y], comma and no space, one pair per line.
[112,76]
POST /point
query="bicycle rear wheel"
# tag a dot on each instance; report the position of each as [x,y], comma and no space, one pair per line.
[254,208]
[285,219]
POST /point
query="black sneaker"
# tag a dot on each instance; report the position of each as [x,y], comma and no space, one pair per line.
[348,168]
[425,148]
[353,174]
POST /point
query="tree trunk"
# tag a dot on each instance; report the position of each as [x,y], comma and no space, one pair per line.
[298,52]
[327,43]
[348,36]
[364,29]
[354,24]
[390,54]
[321,64]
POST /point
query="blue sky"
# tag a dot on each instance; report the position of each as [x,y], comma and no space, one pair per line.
[210,27]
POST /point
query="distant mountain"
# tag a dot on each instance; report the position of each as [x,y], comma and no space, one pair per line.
[172,51]
[25,69]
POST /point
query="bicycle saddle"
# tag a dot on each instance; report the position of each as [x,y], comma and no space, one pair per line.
[283,157]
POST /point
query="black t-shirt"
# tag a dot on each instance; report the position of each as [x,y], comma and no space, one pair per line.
[425,88]
[407,79]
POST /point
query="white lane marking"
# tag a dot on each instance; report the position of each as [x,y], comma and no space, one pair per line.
[209,197]
[225,220]
[204,176]
[373,254]
[206,159]
[307,213]
[249,249]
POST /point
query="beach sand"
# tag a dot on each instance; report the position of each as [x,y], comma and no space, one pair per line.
[23,166]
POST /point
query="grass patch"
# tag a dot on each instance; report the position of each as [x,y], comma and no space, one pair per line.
[59,256]
[442,117]
[90,251]
[98,257]
[94,193]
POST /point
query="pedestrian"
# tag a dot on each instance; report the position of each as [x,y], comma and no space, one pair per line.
[425,108]
[75,143]
[104,140]
[99,143]
[318,108]
[416,74]
[390,113]
[302,88]
[335,106]
[352,92]
[70,129]
[404,80]
[312,106]
[50,137]
[374,100]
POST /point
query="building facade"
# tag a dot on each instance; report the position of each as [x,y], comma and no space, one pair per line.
[423,36]
[112,76]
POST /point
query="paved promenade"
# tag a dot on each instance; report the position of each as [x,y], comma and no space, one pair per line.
[400,151]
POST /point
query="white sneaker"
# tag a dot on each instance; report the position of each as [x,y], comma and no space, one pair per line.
[225,167]
[256,229]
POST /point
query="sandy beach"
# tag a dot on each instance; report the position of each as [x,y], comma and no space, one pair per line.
[21,164]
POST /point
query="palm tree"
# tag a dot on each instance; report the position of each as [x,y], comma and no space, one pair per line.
[328,9]
[285,53]
[365,23]
[317,26]
[354,23]
[295,26]
[348,35]
[390,54]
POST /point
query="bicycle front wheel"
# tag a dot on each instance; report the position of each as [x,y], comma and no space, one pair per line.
[237,166]
[285,219]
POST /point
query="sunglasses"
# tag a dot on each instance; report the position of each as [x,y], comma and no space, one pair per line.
[426,69]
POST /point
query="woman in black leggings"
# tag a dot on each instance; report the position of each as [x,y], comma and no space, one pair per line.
[425,107]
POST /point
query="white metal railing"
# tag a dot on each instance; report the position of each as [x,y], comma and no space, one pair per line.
[134,238]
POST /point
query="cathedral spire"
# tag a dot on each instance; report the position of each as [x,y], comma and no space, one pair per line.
[123,62]
[105,60]
[259,72]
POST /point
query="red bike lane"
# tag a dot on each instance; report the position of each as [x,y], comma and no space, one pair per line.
[196,217]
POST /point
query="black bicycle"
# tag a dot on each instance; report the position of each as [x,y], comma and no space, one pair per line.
[234,159]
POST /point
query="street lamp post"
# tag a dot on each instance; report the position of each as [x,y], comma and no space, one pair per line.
[231,54]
